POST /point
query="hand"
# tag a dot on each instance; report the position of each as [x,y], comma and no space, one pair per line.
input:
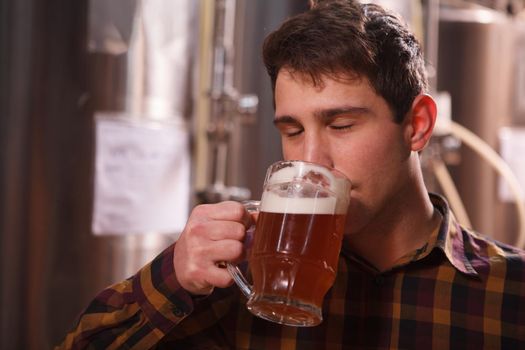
[213,234]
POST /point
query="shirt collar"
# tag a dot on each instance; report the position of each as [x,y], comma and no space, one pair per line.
[447,238]
[450,238]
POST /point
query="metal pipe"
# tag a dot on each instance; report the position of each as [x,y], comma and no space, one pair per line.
[226,105]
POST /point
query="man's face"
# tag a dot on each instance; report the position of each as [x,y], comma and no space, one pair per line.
[347,126]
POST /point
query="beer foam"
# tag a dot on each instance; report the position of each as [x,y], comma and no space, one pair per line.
[297,169]
[273,203]
[315,175]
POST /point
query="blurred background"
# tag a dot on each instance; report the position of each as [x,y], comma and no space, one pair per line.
[117,117]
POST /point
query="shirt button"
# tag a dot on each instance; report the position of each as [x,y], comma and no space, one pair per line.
[379,280]
[177,311]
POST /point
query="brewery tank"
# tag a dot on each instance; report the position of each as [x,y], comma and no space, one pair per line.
[478,61]
[51,88]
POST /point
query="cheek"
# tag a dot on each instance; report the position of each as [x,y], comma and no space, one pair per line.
[289,152]
[359,165]
[370,160]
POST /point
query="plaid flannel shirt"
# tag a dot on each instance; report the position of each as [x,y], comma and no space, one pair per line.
[459,291]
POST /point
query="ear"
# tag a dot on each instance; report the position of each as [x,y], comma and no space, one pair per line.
[420,122]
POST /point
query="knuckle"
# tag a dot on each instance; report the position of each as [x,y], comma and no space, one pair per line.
[201,209]
[195,226]
[238,210]
[200,251]
[235,209]
[197,230]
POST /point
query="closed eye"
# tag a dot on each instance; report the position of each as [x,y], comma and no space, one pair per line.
[341,127]
[288,126]
[343,118]
[291,131]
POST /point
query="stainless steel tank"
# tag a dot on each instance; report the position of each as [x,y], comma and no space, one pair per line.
[477,65]
[51,86]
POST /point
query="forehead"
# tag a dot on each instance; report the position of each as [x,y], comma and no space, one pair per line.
[297,89]
[297,94]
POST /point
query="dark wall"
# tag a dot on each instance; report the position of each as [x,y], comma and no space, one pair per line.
[46,160]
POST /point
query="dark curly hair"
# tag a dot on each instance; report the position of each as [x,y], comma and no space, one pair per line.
[344,38]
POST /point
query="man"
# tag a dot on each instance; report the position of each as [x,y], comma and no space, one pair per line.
[350,92]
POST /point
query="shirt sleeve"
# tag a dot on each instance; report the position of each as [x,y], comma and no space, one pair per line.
[136,313]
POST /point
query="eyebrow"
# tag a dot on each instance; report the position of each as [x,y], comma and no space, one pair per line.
[325,114]
[285,119]
[330,113]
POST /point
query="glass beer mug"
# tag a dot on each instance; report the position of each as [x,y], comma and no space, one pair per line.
[296,243]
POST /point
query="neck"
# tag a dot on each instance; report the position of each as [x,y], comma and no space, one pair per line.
[400,228]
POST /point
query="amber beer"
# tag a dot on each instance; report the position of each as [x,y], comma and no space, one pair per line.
[296,243]
[295,259]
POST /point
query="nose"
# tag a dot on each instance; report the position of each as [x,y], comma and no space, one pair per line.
[316,149]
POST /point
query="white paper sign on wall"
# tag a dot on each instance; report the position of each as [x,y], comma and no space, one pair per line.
[142,177]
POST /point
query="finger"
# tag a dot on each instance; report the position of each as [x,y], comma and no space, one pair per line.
[219,251]
[220,230]
[228,211]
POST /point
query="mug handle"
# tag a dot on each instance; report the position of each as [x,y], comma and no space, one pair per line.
[246,288]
